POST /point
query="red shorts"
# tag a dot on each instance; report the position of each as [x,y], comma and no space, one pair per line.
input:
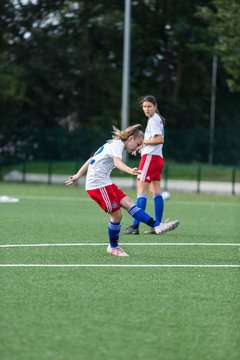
[151,167]
[107,197]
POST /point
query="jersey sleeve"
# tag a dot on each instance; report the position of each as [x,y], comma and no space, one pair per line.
[156,126]
[115,148]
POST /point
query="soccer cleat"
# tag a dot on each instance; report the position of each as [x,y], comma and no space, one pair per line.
[150,232]
[117,251]
[131,231]
[166,226]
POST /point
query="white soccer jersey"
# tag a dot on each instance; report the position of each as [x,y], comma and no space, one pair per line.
[101,164]
[154,127]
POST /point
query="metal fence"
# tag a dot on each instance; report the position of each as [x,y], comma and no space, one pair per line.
[180,177]
[183,145]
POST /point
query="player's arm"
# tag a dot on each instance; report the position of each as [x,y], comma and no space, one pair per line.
[80,172]
[123,167]
[156,140]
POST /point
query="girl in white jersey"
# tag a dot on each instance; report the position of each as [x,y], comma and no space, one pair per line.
[107,195]
[151,166]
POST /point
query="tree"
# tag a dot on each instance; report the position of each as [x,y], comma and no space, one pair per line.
[168,59]
[62,64]
[222,17]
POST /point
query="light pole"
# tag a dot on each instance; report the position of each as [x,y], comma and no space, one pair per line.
[126,64]
[126,67]
[212,110]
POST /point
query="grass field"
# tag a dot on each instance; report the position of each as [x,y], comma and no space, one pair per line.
[175,298]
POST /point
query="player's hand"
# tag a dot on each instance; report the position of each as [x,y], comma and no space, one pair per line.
[135,171]
[71,180]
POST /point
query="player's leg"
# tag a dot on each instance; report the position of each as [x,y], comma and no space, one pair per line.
[155,190]
[137,213]
[142,191]
[114,227]
[158,200]
[108,200]
[142,216]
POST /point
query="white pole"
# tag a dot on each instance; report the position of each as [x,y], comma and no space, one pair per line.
[126,65]
[212,111]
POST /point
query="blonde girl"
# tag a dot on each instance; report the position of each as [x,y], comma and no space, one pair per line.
[104,192]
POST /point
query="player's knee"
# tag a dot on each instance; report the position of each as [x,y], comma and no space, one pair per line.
[116,216]
[127,203]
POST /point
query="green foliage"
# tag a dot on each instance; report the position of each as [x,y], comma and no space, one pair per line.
[11,81]
[12,89]
[223,25]
[62,61]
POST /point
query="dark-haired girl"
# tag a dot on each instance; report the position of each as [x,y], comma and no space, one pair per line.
[151,166]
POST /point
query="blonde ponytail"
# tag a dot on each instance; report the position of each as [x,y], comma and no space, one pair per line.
[129,131]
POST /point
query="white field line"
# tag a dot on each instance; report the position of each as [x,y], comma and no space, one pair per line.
[124,244]
[55,198]
[123,265]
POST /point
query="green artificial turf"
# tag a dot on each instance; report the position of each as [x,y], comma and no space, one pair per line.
[103,313]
